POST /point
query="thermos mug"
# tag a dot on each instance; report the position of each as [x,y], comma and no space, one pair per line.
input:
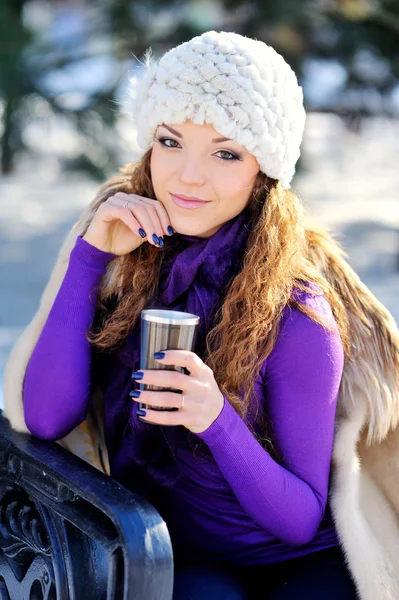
[163,329]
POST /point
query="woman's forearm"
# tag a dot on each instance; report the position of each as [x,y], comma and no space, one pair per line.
[57,379]
[275,498]
[303,375]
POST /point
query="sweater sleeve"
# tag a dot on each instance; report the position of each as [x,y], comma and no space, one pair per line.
[301,384]
[57,379]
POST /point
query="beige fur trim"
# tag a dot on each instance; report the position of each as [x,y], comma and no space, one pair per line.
[365,522]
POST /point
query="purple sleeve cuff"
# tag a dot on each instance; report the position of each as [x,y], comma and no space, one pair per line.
[90,255]
[222,427]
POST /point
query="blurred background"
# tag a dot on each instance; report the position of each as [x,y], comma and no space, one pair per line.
[65,65]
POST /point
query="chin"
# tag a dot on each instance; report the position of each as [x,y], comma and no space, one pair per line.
[190,231]
[191,227]
[195,231]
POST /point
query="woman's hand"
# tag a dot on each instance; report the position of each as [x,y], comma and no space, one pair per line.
[124,221]
[203,401]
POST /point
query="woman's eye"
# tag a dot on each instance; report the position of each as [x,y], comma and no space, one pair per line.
[231,156]
[164,140]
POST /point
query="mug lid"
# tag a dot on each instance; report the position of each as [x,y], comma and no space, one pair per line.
[169,317]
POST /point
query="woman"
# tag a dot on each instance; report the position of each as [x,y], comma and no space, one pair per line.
[205,222]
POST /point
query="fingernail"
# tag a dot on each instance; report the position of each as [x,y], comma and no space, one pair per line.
[142,233]
[141,413]
[161,242]
[159,354]
[134,394]
[170,230]
[155,238]
[137,375]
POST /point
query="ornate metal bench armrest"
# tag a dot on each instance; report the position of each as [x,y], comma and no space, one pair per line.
[67,531]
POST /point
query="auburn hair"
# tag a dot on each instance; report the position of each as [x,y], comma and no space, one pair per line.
[277,260]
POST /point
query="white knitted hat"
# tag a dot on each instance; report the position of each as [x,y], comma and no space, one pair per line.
[240,85]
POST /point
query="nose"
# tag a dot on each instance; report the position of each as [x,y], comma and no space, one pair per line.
[192,172]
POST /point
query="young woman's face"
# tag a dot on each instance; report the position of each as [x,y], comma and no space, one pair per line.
[192,160]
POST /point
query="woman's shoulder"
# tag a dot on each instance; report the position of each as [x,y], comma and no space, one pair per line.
[314,299]
[302,338]
[300,327]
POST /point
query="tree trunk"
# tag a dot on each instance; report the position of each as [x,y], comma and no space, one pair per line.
[7,153]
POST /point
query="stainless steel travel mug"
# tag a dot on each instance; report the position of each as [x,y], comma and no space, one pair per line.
[165,330]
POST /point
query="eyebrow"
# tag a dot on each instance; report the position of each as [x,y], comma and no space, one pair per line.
[214,141]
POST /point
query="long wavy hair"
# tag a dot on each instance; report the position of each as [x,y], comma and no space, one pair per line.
[277,260]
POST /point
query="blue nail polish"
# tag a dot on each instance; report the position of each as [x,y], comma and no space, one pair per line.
[137,375]
[170,230]
[142,233]
[159,354]
[141,413]
[155,238]
[161,242]
[134,394]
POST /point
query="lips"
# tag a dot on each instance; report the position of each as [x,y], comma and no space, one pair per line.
[192,198]
[186,202]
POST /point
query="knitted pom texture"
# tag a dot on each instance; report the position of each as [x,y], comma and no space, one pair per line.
[239,85]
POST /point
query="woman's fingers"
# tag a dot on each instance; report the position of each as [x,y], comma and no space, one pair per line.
[141,215]
[163,216]
[115,211]
[156,210]
[162,400]
[122,215]
[149,211]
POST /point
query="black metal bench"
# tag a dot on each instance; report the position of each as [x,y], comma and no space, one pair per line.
[68,531]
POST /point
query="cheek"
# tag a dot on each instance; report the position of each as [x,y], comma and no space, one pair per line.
[159,168]
[235,185]
[154,165]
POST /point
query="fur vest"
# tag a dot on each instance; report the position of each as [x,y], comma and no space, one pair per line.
[364,490]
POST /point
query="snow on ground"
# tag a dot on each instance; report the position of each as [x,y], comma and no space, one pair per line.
[348,182]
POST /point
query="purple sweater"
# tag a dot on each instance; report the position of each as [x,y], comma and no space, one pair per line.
[240,505]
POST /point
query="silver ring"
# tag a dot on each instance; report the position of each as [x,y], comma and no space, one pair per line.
[134,202]
[182,401]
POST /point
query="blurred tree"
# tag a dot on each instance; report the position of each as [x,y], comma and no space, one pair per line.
[359,35]
[367,45]
[14,83]
[27,64]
